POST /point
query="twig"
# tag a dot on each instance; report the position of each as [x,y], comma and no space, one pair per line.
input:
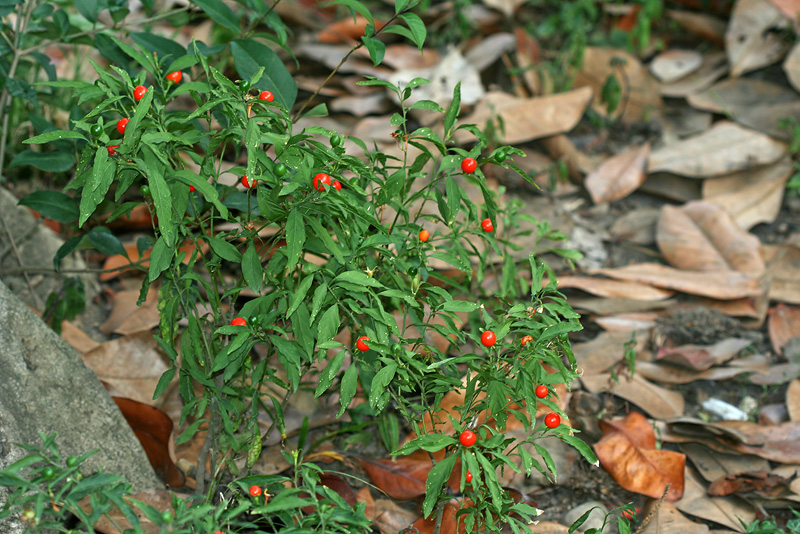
[654,511]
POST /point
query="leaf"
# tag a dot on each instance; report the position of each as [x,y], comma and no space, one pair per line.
[252,271]
[603,287]
[526,119]
[702,357]
[750,40]
[54,136]
[220,13]
[45,161]
[725,148]
[659,402]
[784,324]
[437,477]
[53,205]
[162,199]
[672,65]
[628,452]
[667,519]
[295,237]
[224,249]
[403,478]
[417,27]
[249,56]
[618,176]
[728,511]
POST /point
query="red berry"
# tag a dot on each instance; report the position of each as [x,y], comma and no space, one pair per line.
[627,514]
[321,179]
[468,438]
[266,95]
[139,92]
[469,476]
[488,338]
[218,532]
[255,491]
[468,165]
[175,77]
[361,345]
[525,339]
[192,189]
[248,184]
[542,391]
[239,321]
[337,185]
[424,235]
[552,420]
[121,124]
[111,151]
[487,225]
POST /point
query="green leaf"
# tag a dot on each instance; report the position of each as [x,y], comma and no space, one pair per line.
[299,294]
[53,205]
[220,13]
[436,479]
[45,161]
[380,382]
[249,56]
[106,242]
[452,112]
[581,447]
[376,49]
[189,432]
[206,189]
[356,6]
[460,306]
[97,184]
[358,278]
[427,105]
[295,237]
[348,389]
[252,270]
[55,135]
[417,28]
[160,258]
[400,5]
[224,249]
[162,199]
[162,46]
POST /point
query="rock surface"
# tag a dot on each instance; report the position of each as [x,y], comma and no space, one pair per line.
[45,387]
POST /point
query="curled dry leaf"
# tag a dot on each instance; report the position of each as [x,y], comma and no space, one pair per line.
[713,465]
[791,66]
[784,324]
[734,95]
[604,287]
[725,148]
[793,400]
[526,119]
[701,236]
[751,40]
[628,452]
[727,511]
[659,402]
[403,478]
[672,65]
[752,196]
[618,176]
[761,484]
[669,374]
[606,349]
[723,285]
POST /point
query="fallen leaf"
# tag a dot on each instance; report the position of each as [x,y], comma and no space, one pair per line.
[732,95]
[628,322]
[704,25]
[723,285]
[672,187]
[602,352]
[637,226]
[492,48]
[700,358]
[76,337]
[153,429]
[118,261]
[672,65]
[526,119]
[659,402]
[365,495]
[628,452]
[528,57]
[727,511]
[791,66]
[345,30]
[713,464]
[507,7]
[604,287]
[700,236]
[391,518]
[361,106]
[784,324]
[403,478]
[776,374]
[725,148]
[783,272]
[670,374]
[684,121]
[127,318]
[619,176]
[753,196]
[762,484]
[643,99]
[451,522]
[667,519]
[793,400]
[714,66]
[561,148]
[751,41]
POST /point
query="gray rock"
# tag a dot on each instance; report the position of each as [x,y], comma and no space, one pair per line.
[45,387]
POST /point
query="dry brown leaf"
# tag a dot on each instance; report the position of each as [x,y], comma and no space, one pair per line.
[390,518]
[658,402]
[628,452]
[706,26]
[643,98]
[713,68]
[618,176]
[777,443]
[723,285]
[346,30]
[684,121]
[761,484]
[628,322]
[406,56]
[526,119]
[733,95]
[752,196]
[127,318]
[507,7]
[672,65]
[668,520]
[132,365]
[751,41]
[604,287]
[700,358]
[362,105]
[783,272]
[784,324]
[776,374]
[76,337]
[701,236]
[528,56]
[793,400]
[672,187]
[489,50]
[670,374]
[606,349]
[560,147]
[713,464]
[606,306]
[726,511]
[791,66]
[725,148]
[637,226]
[160,499]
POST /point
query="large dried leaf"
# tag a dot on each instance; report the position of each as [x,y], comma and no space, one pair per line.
[403,478]
[490,49]
[783,272]
[526,119]
[390,518]
[752,196]
[604,287]
[628,452]
[628,322]
[793,400]
[713,465]
[762,484]
[602,352]
[751,40]
[723,285]
[728,511]
[643,100]
[618,176]
[725,148]
[784,324]
[700,358]
[128,318]
[637,226]
[670,374]
[659,402]
[713,68]
[667,519]
[672,65]
[732,95]
[701,236]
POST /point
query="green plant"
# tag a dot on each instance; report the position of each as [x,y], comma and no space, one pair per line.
[620,514]
[371,280]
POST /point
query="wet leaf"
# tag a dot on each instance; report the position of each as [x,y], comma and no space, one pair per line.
[628,452]
[403,478]
[619,176]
